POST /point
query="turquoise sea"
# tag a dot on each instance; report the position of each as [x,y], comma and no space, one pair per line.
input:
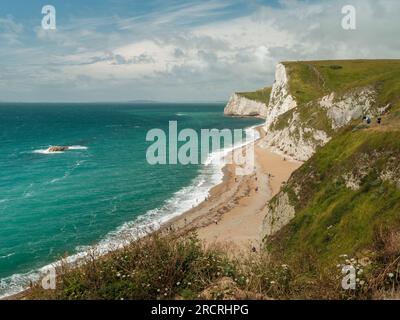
[56,204]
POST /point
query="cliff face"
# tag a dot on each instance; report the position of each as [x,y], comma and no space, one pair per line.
[297,128]
[310,101]
[242,107]
[281,100]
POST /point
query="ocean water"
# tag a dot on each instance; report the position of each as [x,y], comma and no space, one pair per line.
[57,204]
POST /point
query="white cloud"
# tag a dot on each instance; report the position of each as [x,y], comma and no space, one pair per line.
[10,31]
[164,56]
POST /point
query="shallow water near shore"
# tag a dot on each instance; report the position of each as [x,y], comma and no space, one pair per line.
[52,204]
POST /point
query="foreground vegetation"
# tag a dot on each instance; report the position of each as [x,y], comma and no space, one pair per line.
[169,267]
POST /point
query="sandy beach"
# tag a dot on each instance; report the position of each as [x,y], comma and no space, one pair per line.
[234,212]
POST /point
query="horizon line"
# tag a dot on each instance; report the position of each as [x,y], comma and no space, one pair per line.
[132,102]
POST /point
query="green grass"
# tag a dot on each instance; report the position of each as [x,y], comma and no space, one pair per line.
[261,95]
[313,79]
[332,219]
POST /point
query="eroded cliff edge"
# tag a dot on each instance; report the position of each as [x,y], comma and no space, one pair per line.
[248,104]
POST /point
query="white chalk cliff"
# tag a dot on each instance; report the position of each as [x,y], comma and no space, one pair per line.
[292,135]
[291,128]
[352,105]
[242,107]
[281,100]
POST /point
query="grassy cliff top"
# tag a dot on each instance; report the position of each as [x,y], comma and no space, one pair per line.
[261,95]
[310,80]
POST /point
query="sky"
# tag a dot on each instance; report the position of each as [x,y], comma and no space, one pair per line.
[177,51]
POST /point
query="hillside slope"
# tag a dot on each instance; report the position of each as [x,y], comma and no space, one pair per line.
[345,200]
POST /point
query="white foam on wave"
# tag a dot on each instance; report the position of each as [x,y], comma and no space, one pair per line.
[68,172]
[7,256]
[77,148]
[46,151]
[211,174]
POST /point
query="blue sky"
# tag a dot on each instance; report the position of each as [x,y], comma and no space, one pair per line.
[119,50]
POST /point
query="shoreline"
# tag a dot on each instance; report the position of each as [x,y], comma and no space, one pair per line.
[233,213]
